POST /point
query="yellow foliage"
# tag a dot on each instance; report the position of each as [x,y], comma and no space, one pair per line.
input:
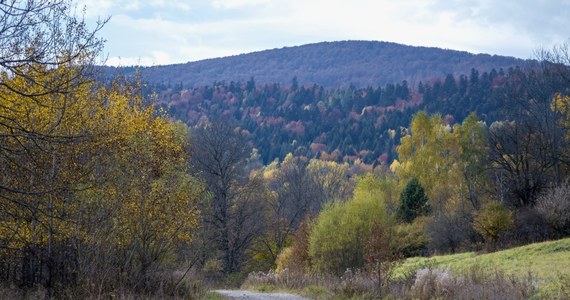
[46,140]
[331,177]
[270,171]
[442,157]
[286,260]
[561,104]
[492,221]
[147,182]
[430,154]
[394,166]
[93,164]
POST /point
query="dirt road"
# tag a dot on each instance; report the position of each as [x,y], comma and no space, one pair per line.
[238,294]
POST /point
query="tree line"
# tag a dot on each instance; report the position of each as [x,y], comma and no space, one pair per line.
[361,126]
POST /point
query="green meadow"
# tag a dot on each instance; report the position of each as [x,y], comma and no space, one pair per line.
[548,263]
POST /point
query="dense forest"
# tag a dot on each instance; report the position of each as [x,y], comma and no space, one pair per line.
[361,126]
[327,64]
[130,189]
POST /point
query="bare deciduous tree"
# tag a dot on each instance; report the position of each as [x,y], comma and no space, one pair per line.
[233,214]
[529,149]
[554,206]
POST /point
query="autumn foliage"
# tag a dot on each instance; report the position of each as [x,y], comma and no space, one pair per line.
[94,184]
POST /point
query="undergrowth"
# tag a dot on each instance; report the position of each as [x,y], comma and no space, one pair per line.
[536,271]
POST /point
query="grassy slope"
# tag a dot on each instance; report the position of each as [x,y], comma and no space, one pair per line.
[549,262]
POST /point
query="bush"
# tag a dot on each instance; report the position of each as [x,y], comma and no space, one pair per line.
[410,239]
[282,279]
[529,227]
[355,284]
[475,284]
[560,289]
[352,284]
[338,236]
[381,257]
[449,233]
[424,284]
[492,221]
[317,292]
[296,257]
[432,283]
[554,206]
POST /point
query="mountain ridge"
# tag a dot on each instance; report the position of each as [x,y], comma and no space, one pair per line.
[328,64]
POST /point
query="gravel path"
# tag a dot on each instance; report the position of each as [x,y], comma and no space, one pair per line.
[239,294]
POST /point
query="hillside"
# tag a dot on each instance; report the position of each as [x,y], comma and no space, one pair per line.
[344,124]
[300,100]
[549,262]
[535,271]
[327,64]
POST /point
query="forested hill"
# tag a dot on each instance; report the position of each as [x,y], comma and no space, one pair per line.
[361,126]
[327,64]
[342,101]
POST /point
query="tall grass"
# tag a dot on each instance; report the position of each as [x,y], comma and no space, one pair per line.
[547,261]
[425,284]
[168,285]
[536,271]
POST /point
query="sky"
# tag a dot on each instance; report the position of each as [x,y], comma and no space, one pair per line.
[159,32]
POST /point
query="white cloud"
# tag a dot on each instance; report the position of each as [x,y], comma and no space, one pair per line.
[538,21]
[96,8]
[158,32]
[177,4]
[231,4]
[133,5]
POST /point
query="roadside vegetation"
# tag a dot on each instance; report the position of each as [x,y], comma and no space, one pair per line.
[537,271]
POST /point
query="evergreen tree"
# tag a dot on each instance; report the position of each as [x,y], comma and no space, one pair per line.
[250,84]
[294,84]
[450,86]
[413,202]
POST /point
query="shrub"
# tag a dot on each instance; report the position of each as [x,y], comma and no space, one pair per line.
[410,239]
[554,206]
[433,283]
[296,257]
[450,232]
[492,221]
[559,289]
[286,260]
[282,279]
[424,284]
[354,283]
[338,236]
[381,257]
[474,284]
[529,227]
[317,292]
[213,269]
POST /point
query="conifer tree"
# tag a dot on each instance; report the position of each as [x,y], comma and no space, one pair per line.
[413,202]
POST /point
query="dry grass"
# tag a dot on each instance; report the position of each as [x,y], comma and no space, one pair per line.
[425,284]
[548,262]
[171,285]
[536,271]
[351,284]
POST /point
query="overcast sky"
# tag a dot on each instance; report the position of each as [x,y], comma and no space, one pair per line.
[157,32]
